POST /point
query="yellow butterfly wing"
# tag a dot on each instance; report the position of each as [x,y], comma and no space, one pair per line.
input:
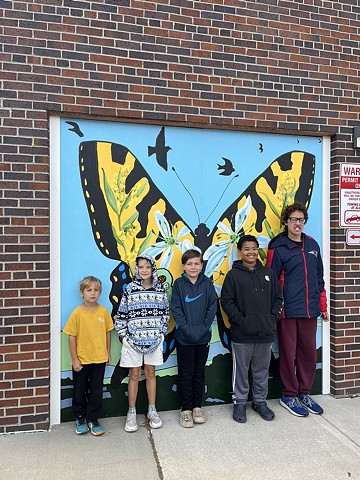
[257,211]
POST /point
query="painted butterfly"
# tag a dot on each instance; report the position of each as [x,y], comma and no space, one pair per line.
[129,215]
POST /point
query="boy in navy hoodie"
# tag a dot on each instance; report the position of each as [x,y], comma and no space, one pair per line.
[251,298]
[193,305]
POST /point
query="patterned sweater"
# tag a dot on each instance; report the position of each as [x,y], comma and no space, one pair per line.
[143,314]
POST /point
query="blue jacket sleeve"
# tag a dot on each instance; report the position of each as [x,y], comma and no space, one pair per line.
[278,298]
[212,307]
[176,306]
[321,283]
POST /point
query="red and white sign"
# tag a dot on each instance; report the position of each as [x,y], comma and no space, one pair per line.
[350,195]
[353,237]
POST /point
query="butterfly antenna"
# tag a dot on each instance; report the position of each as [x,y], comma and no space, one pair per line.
[182,183]
[228,185]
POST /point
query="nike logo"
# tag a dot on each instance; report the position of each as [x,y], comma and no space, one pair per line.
[189,299]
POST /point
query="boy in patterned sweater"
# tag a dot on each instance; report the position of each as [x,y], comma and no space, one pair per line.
[142,321]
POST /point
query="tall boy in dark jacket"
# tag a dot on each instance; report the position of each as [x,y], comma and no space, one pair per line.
[295,258]
[251,297]
[193,305]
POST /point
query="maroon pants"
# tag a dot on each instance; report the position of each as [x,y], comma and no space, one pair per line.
[297,354]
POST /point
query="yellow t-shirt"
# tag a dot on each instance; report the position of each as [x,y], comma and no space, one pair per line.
[90,328]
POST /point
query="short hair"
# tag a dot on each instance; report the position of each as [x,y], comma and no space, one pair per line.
[290,209]
[189,254]
[87,281]
[247,238]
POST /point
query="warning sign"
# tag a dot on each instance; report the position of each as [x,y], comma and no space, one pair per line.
[349,195]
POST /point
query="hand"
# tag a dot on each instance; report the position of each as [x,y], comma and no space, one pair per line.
[77,366]
[325,316]
[109,360]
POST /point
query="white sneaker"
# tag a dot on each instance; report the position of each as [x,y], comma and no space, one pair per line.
[130,424]
[154,419]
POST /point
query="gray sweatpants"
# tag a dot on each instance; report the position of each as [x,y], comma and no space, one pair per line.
[258,355]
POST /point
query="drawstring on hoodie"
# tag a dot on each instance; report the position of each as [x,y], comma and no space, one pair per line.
[253,271]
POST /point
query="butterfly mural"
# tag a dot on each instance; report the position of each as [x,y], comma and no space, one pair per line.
[129,215]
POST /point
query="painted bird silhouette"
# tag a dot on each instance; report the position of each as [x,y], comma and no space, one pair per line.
[160,150]
[75,128]
[261,147]
[227,167]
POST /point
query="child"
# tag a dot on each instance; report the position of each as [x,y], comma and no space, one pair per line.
[193,305]
[251,298]
[89,328]
[142,322]
[296,260]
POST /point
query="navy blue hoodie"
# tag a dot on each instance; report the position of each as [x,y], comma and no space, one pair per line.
[193,306]
[301,274]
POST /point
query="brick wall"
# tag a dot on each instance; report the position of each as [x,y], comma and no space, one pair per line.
[271,65]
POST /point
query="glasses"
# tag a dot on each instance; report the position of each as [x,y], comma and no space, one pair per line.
[296,220]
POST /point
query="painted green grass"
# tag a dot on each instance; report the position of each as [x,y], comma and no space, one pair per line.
[217,389]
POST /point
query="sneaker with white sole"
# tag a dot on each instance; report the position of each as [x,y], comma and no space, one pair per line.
[294,406]
[131,424]
[198,415]
[81,426]
[310,404]
[154,419]
[186,419]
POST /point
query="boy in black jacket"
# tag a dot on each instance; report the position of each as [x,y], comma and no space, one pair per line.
[251,297]
[193,305]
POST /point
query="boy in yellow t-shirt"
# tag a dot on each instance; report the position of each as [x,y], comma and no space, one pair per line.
[89,327]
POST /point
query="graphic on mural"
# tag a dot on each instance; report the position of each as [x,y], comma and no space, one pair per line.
[130,214]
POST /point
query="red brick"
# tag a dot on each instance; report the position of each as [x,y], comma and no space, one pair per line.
[233,58]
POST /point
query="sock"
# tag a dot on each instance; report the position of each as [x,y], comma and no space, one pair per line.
[152,408]
[132,410]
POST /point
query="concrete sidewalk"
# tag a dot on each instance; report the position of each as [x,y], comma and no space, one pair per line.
[316,447]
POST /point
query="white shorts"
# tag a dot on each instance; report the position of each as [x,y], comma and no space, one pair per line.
[130,358]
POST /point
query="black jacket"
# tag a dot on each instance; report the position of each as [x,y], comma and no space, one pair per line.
[193,306]
[252,300]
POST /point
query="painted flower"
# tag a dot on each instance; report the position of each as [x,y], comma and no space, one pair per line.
[170,238]
[219,251]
